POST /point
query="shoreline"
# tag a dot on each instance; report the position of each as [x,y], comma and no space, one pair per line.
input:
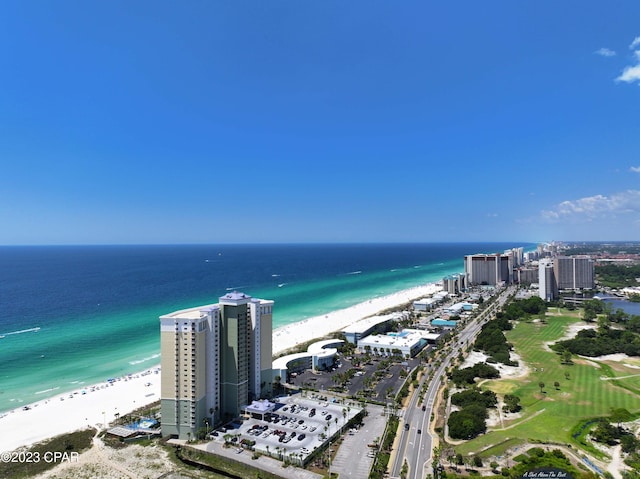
[92,406]
[100,402]
[287,337]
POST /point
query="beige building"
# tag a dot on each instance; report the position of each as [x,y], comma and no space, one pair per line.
[215,360]
[488,269]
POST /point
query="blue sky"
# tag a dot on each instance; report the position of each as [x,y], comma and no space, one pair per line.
[288,121]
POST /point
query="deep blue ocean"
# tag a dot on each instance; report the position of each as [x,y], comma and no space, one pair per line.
[72,315]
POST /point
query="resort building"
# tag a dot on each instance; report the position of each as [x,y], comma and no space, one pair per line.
[547,286]
[454,284]
[528,275]
[574,272]
[517,256]
[215,360]
[489,269]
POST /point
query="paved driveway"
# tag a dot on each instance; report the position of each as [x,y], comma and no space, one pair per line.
[351,460]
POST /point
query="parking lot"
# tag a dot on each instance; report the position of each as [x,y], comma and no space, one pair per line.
[295,428]
[391,381]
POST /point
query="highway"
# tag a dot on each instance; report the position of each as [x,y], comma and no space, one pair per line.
[416,447]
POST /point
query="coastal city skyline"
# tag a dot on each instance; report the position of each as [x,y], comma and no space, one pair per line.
[221,123]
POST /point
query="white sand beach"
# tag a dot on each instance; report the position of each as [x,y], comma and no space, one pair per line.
[100,403]
[288,336]
[72,411]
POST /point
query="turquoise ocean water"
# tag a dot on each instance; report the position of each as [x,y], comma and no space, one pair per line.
[74,315]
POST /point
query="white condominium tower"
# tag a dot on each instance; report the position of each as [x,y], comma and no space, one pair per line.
[215,359]
[548,288]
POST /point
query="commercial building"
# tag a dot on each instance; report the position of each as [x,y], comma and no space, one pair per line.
[406,343]
[488,269]
[375,324]
[458,308]
[319,356]
[215,360]
[443,324]
[424,304]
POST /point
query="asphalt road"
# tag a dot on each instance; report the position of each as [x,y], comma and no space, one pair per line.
[416,448]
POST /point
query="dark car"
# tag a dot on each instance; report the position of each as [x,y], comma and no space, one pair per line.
[328,418]
[419,431]
[301,437]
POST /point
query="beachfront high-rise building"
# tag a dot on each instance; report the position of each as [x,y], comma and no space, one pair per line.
[548,288]
[574,272]
[517,256]
[453,283]
[215,360]
[489,269]
[526,275]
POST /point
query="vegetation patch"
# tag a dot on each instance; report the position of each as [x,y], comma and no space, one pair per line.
[46,455]
[542,406]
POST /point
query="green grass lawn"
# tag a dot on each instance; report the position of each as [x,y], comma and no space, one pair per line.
[550,415]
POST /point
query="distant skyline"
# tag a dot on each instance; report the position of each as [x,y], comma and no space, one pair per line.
[221,122]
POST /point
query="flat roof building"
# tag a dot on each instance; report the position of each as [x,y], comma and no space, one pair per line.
[490,269]
[319,355]
[443,323]
[547,285]
[406,343]
[574,272]
[366,326]
[424,304]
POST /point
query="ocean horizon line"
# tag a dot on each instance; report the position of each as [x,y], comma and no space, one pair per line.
[288,243]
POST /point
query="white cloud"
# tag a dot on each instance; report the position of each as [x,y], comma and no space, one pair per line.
[598,206]
[631,73]
[605,52]
[635,169]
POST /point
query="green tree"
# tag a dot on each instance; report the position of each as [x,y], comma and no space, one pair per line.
[566,358]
